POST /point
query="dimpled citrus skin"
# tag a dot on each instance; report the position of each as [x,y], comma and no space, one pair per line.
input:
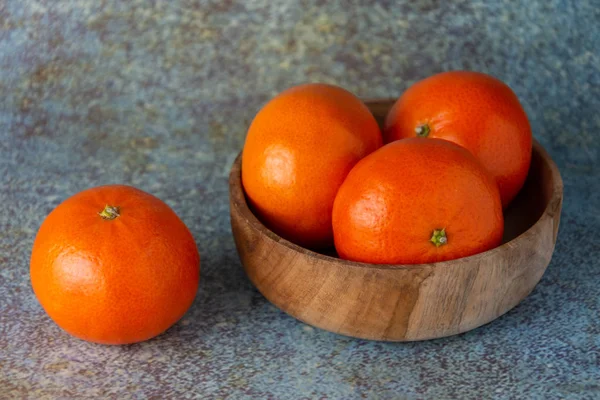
[476,111]
[299,148]
[391,202]
[115,281]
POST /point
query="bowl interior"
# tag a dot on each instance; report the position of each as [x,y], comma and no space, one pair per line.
[529,205]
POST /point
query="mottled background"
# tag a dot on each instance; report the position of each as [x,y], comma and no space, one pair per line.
[158,94]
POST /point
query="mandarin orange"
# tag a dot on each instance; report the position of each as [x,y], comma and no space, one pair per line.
[298,151]
[474,110]
[114,265]
[417,201]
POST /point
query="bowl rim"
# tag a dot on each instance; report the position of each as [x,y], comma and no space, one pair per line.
[238,198]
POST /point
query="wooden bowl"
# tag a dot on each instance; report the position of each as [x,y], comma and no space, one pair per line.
[405,302]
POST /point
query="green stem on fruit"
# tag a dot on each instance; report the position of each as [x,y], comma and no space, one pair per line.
[422,130]
[109,213]
[439,237]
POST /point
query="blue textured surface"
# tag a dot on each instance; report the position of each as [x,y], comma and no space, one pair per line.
[158,94]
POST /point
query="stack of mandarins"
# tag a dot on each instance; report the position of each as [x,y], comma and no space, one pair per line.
[457,150]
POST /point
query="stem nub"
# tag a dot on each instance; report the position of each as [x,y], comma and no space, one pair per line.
[109,213]
[439,237]
[422,130]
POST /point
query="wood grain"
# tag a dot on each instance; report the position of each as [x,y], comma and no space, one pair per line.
[398,302]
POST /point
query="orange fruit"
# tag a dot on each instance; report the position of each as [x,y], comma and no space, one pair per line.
[417,201]
[474,110]
[114,265]
[299,148]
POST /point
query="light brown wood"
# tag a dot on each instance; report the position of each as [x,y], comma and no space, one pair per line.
[398,302]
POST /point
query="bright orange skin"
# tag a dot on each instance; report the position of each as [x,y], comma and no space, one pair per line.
[114,281]
[392,201]
[299,149]
[476,111]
